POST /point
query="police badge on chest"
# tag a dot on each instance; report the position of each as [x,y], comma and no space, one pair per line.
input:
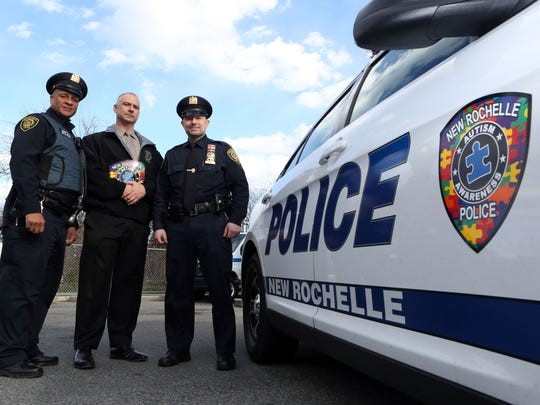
[210,155]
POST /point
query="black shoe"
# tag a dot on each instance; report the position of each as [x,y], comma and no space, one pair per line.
[172,358]
[22,369]
[225,362]
[42,360]
[127,353]
[83,359]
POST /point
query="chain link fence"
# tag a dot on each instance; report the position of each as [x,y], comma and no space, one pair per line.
[154,274]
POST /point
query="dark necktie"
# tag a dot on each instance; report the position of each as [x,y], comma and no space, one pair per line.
[190,188]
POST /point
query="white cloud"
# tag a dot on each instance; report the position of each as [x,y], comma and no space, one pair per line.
[315,39]
[263,157]
[148,93]
[258,32]
[59,59]
[323,97]
[172,33]
[86,12]
[60,42]
[92,26]
[58,6]
[338,58]
[52,6]
[21,30]
[56,42]
[113,57]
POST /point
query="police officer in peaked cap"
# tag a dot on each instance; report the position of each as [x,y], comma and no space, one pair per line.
[193,106]
[70,82]
[201,201]
[38,223]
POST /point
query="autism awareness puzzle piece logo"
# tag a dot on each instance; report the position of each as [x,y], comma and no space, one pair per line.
[482,157]
[127,170]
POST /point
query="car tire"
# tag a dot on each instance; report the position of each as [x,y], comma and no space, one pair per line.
[263,342]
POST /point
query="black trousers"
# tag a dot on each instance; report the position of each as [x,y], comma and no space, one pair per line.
[30,273]
[111,275]
[198,237]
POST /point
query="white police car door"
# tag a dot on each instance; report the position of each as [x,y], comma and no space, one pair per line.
[395,270]
[352,265]
[293,220]
[378,198]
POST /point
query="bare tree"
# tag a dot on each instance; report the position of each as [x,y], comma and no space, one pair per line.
[4,168]
[5,143]
[88,126]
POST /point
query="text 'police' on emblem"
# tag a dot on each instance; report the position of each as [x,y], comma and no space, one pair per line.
[482,157]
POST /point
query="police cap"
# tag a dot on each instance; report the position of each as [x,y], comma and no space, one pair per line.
[69,82]
[193,105]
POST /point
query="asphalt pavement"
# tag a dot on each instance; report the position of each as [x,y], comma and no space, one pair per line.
[310,378]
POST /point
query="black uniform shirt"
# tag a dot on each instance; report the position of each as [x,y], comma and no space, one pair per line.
[217,170]
[33,134]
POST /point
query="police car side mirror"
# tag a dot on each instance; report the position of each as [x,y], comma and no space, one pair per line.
[390,24]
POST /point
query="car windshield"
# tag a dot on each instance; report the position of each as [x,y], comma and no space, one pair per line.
[400,67]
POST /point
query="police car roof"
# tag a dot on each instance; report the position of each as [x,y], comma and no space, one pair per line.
[387,24]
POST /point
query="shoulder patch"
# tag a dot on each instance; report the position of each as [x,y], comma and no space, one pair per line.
[28,123]
[232,155]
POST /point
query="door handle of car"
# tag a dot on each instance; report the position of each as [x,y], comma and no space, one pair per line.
[266,197]
[335,149]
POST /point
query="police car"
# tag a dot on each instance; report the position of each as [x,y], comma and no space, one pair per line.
[199,284]
[402,237]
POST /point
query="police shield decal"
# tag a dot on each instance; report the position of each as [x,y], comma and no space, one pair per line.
[482,157]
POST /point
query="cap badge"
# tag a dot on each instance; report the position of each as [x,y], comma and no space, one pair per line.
[75,78]
[193,100]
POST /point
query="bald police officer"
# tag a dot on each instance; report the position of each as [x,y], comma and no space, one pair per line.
[46,169]
[201,201]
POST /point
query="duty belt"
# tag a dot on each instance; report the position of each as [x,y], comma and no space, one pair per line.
[176,212]
[61,203]
[200,208]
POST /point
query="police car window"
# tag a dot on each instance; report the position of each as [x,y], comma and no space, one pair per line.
[325,128]
[292,161]
[398,68]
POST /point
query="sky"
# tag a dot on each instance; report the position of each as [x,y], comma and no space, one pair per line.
[269,68]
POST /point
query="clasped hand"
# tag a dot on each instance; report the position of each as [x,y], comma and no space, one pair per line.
[133,192]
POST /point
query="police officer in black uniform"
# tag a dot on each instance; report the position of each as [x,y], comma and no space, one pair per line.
[201,201]
[38,222]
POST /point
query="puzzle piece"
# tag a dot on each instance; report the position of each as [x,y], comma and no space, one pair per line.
[476,162]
